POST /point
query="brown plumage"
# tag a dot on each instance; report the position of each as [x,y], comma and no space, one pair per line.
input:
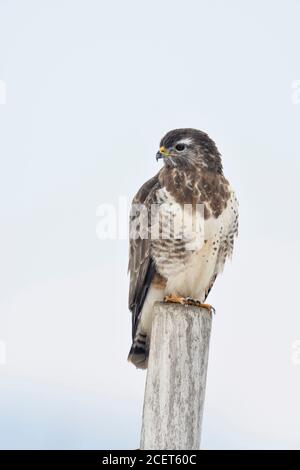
[192,174]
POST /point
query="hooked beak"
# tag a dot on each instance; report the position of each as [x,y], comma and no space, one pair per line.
[162,153]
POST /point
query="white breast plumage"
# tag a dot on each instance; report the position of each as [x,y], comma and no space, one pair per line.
[190,261]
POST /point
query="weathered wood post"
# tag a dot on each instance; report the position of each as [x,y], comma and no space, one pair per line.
[176,377]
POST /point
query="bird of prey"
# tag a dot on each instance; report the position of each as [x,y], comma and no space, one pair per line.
[176,268]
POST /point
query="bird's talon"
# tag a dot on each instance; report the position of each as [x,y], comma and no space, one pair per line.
[208,307]
[197,303]
[173,298]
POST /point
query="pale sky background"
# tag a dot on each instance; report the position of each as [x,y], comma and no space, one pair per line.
[91,88]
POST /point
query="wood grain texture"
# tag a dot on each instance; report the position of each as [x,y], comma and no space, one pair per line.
[176,378]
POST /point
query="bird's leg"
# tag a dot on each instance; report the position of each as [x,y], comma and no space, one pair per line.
[176,299]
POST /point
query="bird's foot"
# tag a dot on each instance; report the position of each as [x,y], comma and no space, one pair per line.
[176,299]
[173,298]
[197,303]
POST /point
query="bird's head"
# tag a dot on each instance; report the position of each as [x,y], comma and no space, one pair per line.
[188,148]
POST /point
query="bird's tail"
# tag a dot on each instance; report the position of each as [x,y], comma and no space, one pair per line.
[139,351]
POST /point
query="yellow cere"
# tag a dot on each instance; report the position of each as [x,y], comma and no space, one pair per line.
[164,151]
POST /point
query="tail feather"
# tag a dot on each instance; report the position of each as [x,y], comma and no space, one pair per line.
[139,351]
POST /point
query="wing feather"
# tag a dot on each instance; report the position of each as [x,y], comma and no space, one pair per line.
[141,266]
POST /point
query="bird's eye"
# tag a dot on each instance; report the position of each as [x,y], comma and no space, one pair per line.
[180,147]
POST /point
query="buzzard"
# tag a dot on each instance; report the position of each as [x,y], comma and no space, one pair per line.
[177,268]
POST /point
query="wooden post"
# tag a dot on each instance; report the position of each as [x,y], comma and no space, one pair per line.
[176,378]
